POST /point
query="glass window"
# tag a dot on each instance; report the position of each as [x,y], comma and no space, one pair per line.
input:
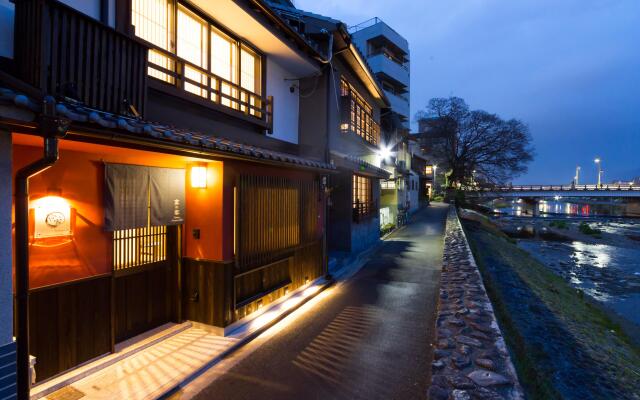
[192,46]
[361,115]
[362,197]
[152,21]
[209,62]
[224,64]
[249,77]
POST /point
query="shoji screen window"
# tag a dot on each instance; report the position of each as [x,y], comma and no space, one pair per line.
[192,46]
[224,64]
[249,78]
[153,22]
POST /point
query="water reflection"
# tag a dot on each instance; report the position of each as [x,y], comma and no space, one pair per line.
[519,209]
[596,255]
[606,269]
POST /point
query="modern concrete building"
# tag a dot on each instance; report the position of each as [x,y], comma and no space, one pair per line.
[387,54]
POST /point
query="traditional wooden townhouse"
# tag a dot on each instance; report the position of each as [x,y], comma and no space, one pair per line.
[347,102]
[154,148]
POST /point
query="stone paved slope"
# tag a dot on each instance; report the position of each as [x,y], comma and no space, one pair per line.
[470,358]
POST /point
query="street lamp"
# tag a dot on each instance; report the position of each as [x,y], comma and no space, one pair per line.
[599,163]
[577,177]
[435,167]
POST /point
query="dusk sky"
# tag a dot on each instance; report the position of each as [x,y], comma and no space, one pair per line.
[570,69]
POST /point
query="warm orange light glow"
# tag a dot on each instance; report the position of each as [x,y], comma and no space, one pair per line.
[199,177]
[52,217]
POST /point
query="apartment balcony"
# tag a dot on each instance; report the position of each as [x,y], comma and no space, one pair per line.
[65,53]
[381,63]
[399,104]
[376,28]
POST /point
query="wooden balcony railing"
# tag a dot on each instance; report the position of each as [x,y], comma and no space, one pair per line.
[66,53]
[180,73]
[362,211]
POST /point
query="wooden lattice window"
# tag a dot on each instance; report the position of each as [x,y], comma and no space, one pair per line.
[363,205]
[139,246]
[188,50]
[359,116]
[274,215]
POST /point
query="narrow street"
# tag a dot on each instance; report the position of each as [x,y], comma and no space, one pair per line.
[368,340]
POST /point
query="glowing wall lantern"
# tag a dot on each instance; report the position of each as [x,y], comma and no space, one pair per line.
[199,177]
[52,217]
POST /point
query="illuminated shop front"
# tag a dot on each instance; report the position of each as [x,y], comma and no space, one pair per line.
[123,241]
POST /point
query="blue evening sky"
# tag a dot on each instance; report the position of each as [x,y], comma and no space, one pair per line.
[569,68]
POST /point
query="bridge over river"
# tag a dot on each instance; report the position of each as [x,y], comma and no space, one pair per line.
[542,191]
[625,199]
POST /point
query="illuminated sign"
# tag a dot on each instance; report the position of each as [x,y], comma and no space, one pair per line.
[52,217]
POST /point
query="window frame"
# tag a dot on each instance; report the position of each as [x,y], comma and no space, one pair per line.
[212,99]
[362,208]
[359,117]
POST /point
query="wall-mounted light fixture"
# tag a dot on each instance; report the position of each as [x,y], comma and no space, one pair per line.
[199,176]
[52,217]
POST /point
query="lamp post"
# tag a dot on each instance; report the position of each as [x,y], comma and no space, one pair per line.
[435,167]
[577,177]
[599,164]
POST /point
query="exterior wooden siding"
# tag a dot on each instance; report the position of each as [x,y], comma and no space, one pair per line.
[275,215]
[64,52]
[70,324]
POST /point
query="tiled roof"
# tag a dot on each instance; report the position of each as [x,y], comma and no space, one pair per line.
[134,127]
[282,8]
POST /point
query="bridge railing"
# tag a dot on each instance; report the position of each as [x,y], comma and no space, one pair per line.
[555,188]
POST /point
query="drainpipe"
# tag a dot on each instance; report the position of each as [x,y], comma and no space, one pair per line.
[51,128]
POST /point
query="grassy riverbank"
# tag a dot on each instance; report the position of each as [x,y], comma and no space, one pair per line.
[563,344]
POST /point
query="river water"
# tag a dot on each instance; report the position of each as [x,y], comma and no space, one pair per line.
[605,267]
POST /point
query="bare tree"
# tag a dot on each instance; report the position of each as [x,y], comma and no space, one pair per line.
[476,145]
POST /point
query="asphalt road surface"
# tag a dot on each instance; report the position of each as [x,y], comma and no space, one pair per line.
[368,340]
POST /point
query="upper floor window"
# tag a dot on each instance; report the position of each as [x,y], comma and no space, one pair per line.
[190,52]
[357,114]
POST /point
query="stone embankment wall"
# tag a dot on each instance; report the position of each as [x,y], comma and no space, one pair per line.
[471,360]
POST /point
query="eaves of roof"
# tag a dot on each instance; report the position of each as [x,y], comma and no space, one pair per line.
[359,165]
[119,128]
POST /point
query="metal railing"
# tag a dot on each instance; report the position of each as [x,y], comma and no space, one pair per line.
[388,55]
[559,188]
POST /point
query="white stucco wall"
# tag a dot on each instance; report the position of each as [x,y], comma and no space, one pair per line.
[414,188]
[6,28]
[6,289]
[286,104]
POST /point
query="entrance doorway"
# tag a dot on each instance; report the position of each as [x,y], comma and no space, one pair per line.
[145,278]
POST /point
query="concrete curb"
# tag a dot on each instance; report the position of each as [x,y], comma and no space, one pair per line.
[241,343]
